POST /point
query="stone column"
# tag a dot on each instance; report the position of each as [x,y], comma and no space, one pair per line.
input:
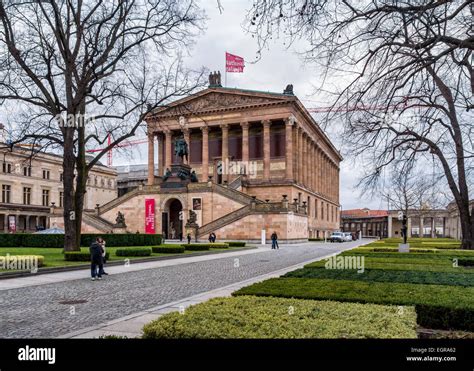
[27,223]
[289,149]
[409,227]
[300,155]
[266,149]
[305,160]
[421,227]
[187,138]
[245,144]
[159,140]
[433,225]
[167,156]
[151,158]
[5,223]
[313,166]
[389,226]
[225,151]
[205,154]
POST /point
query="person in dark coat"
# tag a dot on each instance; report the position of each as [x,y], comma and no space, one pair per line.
[274,238]
[189,238]
[97,260]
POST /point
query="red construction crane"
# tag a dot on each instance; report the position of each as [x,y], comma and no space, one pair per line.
[127,143]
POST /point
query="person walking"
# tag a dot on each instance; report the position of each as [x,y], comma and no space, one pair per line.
[96,259]
[210,238]
[189,238]
[104,259]
[213,237]
[274,238]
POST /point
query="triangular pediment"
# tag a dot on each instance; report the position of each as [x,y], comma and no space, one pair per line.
[211,100]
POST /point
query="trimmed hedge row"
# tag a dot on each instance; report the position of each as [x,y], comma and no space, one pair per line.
[57,240]
[383,275]
[168,249]
[205,246]
[250,317]
[134,251]
[125,239]
[236,244]
[31,240]
[437,306]
[80,256]
[316,239]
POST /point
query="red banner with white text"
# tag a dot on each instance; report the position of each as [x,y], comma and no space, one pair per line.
[234,63]
[150,216]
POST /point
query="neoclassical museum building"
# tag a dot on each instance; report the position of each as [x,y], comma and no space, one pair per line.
[256,162]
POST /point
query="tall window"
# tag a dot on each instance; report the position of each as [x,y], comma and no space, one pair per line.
[316,209]
[26,195]
[27,170]
[6,190]
[6,167]
[61,177]
[45,197]
[61,199]
[45,174]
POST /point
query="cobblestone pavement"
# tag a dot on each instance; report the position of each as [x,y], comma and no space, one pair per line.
[49,310]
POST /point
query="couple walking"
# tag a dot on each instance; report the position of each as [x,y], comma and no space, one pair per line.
[97,251]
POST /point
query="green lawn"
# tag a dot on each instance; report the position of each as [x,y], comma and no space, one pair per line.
[53,257]
[251,317]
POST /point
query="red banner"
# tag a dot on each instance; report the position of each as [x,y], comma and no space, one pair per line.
[234,63]
[150,215]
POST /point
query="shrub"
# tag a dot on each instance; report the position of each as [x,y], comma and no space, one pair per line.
[168,249]
[196,246]
[123,239]
[21,262]
[391,249]
[80,256]
[250,317]
[453,305]
[236,244]
[134,251]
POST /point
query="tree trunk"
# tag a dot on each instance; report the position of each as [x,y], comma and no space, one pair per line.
[467,227]
[69,161]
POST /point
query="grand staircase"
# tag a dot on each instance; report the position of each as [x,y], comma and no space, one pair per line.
[97,222]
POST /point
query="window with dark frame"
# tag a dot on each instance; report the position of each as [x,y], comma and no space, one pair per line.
[26,196]
[6,191]
[45,197]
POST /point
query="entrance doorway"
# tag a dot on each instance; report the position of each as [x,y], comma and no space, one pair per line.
[172,219]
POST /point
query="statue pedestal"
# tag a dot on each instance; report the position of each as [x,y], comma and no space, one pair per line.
[119,230]
[180,176]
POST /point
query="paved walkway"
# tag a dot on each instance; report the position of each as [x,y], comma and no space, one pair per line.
[69,304]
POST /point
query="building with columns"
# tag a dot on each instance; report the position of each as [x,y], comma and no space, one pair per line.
[262,164]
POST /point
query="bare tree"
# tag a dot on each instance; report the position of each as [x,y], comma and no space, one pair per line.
[81,71]
[411,79]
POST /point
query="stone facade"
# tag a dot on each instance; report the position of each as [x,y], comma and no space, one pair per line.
[32,189]
[261,160]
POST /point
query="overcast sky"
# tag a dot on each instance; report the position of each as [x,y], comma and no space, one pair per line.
[278,67]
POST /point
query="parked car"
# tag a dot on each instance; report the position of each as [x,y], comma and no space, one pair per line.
[337,237]
[347,236]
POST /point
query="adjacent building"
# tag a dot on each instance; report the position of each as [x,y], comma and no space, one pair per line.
[420,223]
[31,186]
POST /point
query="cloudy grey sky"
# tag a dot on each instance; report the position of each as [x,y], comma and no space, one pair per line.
[277,67]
